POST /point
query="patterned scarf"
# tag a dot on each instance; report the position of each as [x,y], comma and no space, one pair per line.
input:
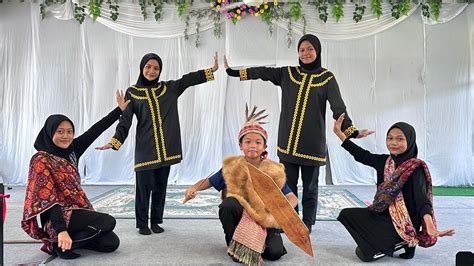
[388,196]
[51,180]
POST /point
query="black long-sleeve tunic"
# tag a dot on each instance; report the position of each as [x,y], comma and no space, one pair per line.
[80,145]
[302,132]
[158,137]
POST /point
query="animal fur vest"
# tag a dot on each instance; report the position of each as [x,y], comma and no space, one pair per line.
[240,186]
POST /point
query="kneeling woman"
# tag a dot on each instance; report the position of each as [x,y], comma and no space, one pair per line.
[402,214]
[54,191]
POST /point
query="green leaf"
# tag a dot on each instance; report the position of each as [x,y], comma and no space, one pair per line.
[376,7]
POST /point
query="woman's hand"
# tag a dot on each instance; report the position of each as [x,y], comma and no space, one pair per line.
[337,127]
[64,241]
[433,231]
[364,133]
[226,64]
[104,147]
[436,233]
[216,63]
[121,100]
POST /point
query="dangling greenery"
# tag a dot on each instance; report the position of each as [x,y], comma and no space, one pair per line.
[399,8]
[94,9]
[143,4]
[376,7]
[181,7]
[337,10]
[289,33]
[216,18]
[158,9]
[295,11]
[358,12]
[322,8]
[113,7]
[435,8]
[43,9]
[79,14]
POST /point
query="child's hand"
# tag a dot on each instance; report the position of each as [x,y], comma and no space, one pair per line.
[189,194]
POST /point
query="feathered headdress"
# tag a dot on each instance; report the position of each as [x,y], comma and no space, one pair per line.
[253,123]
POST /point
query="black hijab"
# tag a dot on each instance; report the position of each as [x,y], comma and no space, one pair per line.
[142,81]
[410,135]
[316,64]
[44,140]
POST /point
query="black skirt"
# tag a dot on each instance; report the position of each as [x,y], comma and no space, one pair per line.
[373,232]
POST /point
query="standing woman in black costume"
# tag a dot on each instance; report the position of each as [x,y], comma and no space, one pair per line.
[158,138]
[402,214]
[302,131]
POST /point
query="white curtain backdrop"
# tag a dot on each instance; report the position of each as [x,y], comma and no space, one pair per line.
[412,69]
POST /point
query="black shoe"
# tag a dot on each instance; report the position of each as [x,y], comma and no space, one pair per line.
[65,255]
[157,229]
[409,253]
[144,231]
[364,258]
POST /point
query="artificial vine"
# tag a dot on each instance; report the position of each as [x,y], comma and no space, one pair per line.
[337,10]
[113,7]
[289,33]
[399,8]
[322,8]
[295,11]
[143,4]
[181,7]
[158,4]
[358,12]
[43,9]
[435,8]
[79,14]
[94,9]
[376,7]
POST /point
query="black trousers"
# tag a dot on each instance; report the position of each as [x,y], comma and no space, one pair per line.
[93,230]
[310,177]
[230,213]
[152,182]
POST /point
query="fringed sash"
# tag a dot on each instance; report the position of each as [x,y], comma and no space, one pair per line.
[248,241]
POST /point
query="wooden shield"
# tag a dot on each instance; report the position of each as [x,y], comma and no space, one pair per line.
[280,208]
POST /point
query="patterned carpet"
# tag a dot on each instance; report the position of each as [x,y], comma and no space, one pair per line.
[120,202]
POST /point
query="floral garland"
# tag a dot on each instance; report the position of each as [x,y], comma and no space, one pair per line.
[236,13]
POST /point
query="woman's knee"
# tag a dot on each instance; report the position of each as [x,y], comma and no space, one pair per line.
[109,242]
[109,223]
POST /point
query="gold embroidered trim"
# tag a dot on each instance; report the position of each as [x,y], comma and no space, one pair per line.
[349,131]
[293,78]
[115,143]
[243,74]
[209,74]
[153,119]
[137,97]
[309,157]
[162,136]
[303,112]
